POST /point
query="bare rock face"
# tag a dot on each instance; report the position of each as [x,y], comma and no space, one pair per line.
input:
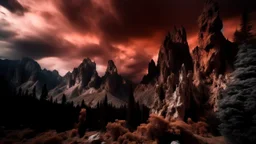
[185,86]
[84,83]
[213,52]
[177,100]
[169,90]
[213,57]
[27,73]
[152,73]
[173,53]
[83,74]
[112,81]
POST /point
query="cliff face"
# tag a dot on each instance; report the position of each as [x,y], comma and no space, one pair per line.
[214,51]
[84,83]
[167,92]
[173,53]
[188,85]
[27,73]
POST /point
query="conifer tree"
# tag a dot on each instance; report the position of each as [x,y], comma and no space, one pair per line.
[237,108]
[244,34]
[44,93]
[34,92]
[64,99]
[131,110]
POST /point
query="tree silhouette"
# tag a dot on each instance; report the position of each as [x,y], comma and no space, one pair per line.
[26,93]
[20,92]
[51,99]
[244,34]
[131,110]
[44,93]
[34,92]
[237,108]
[64,99]
[83,104]
[160,92]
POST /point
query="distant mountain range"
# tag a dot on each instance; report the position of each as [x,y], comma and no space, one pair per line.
[181,84]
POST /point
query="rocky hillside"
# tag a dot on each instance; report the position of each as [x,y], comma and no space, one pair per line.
[185,84]
[83,83]
[27,73]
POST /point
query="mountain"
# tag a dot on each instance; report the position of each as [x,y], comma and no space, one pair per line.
[83,83]
[185,84]
[27,73]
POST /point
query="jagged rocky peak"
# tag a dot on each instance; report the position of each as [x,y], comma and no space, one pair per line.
[95,80]
[111,68]
[152,73]
[83,74]
[173,53]
[27,69]
[214,51]
[29,65]
[112,80]
[178,100]
[210,25]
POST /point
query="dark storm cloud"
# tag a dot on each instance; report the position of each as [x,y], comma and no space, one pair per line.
[135,67]
[5,34]
[14,6]
[39,47]
[142,18]
[116,24]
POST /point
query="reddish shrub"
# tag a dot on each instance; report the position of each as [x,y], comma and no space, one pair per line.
[73,133]
[158,129]
[131,138]
[200,128]
[53,140]
[81,124]
[115,130]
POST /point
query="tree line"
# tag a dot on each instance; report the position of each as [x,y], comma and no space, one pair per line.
[25,110]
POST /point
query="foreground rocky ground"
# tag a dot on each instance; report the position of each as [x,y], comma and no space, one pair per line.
[157,130]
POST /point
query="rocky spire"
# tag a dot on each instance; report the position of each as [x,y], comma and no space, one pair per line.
[111,68]
[214,51]
[210,25]
[152,73]
[83,74]
[173,53]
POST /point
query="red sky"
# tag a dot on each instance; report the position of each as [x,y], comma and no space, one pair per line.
[60,33]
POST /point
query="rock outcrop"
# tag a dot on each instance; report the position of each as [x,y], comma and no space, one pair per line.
[27,73]
[167,85]
[213,57]
[214,51]
[84,83]
[82,75]
[152,74]
[185,86]
[173,53]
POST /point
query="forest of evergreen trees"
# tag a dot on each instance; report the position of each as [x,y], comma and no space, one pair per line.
[22,109]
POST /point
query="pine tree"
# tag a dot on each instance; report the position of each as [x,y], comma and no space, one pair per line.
[34,92]
[244,34]
[131,110]
[83,104]
[20,92]
[237,108]
[64,99]
[105,102]
[51,99]
[26,93]
[44,93]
